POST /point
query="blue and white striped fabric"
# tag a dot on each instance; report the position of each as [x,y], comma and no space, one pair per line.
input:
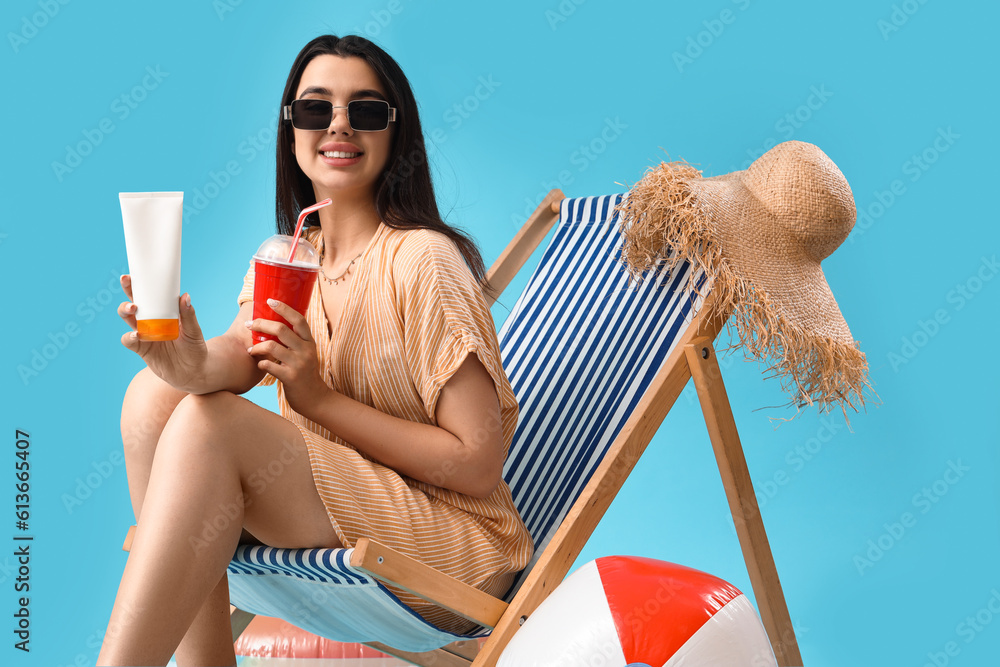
[580,347]
[318,591]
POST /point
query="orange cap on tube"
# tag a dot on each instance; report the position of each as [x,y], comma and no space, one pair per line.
[158,329]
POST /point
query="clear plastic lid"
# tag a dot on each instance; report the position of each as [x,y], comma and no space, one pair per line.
[277,248]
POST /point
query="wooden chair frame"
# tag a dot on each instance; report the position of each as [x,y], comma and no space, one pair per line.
[693,358]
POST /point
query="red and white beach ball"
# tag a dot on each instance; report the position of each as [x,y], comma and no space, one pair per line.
[622,610]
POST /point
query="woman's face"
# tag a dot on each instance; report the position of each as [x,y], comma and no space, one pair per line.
[340,80]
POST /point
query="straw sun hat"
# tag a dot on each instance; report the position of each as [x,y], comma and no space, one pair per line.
[761,235]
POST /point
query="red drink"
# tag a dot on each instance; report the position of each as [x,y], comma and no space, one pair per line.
[288,283]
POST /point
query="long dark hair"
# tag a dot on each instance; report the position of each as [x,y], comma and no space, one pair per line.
[404,195]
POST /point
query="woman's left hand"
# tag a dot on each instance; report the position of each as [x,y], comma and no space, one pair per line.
[293,361]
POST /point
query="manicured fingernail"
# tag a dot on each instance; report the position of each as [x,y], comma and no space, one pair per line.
[250,349]
[248,323]
[272,302]
[135,335]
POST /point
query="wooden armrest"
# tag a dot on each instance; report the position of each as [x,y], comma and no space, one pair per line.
[425,582]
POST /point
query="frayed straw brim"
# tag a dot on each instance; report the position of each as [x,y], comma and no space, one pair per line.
[761,248]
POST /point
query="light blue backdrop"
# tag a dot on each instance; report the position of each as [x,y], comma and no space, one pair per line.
[118,96]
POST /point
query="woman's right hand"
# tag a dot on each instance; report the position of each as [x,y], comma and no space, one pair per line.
[180,362]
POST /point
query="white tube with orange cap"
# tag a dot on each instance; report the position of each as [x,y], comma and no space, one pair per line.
[153,244]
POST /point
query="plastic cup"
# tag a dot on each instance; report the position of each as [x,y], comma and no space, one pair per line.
[276,278]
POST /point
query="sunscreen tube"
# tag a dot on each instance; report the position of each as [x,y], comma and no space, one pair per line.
[153,245]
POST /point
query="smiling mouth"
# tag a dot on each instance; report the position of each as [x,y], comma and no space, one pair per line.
[339,154]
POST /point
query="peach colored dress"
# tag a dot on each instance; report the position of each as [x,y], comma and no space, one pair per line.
[413,313]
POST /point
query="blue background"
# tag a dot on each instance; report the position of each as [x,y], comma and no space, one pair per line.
[875,84]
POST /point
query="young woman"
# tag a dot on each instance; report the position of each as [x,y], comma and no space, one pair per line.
[396,414]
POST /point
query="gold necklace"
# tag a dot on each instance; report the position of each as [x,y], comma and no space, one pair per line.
[334,281]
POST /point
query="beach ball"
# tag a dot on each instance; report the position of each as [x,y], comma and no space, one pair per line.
[624,610]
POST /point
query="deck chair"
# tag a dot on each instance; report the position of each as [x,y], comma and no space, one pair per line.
[595,364]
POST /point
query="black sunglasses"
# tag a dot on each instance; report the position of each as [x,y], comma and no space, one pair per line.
[363,115]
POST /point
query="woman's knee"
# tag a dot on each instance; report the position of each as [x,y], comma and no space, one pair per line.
[208,418]
[226,428]
[146,408]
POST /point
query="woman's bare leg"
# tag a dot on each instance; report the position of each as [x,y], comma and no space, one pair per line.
[148,404]
[221,462]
